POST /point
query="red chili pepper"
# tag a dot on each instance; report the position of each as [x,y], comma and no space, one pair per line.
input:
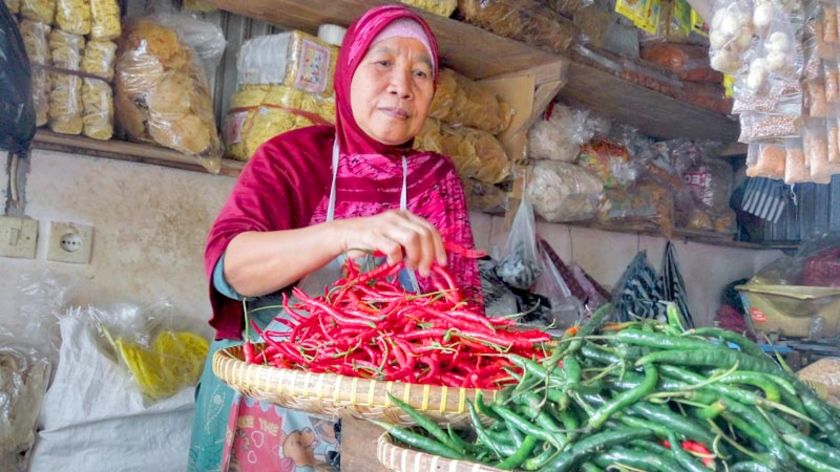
[456,248]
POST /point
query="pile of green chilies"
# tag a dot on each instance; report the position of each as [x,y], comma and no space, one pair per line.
[648,396]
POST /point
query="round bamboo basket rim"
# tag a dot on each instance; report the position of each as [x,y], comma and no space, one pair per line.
[333,394]
[402,459]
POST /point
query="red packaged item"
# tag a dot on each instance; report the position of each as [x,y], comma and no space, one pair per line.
[687,62]
[822,269]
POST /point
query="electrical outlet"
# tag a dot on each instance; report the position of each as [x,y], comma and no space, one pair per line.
[18,237]
[70,242]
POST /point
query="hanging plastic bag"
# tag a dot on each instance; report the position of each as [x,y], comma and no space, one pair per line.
[566,308]
[521,265]
[17,112]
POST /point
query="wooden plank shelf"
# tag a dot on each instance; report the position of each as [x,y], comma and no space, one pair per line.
[126,151]
[481,54]
[701,237]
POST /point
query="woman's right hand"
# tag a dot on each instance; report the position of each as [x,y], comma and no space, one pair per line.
[399,234]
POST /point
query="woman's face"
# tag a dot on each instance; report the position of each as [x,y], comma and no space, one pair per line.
[392,90]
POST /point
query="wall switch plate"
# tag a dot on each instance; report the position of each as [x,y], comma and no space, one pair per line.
[70,242]
[18,237]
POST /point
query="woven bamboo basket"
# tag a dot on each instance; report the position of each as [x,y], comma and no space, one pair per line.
[400,459]
[331,394]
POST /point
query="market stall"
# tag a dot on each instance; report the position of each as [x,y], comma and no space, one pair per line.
[631,174]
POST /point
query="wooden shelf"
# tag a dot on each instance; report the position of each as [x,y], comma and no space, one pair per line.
[480,54]
[126,151]
[702,237]
[465,48]
[653,113]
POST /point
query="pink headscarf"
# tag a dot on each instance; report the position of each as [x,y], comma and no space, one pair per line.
[357,41]
[286,183]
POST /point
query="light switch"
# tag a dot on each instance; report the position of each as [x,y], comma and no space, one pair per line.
[18,237]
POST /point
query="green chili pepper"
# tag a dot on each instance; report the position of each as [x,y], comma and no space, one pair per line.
[526,426]
[686,460]
[756,429]
[675,422]
[624,399]
[483,435]
[640,460]
[743,342]
[521,455]
[538,461]
[810,462]
[815,449]
[749,466]
[660,341]
[584,448]
[430,426]
[483,408]
[419,442]
[590,467]
[756,379]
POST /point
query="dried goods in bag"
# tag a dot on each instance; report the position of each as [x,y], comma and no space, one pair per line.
[73,16]
[105,20]
[17,115]
[99,58]
[476,154]
[524,20]
[97,96]
[766,160]
[66,106]
[38,10]
[161,92]
[37,48]
[563,192]
[460,101]
[796,166]
[438,7]
[13,6]
[561,134]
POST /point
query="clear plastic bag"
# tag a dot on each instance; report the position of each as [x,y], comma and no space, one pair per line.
[37,48]
[73,16]
[711,182]
[105,20]
[438,7]
[796,166]
[565,308]
[563,192]
[161,90]
[766,160]
[460,101]
[161,349]
[13,6]
[42,11]
[609,162]
[523,20]
[521,265]
[596,294]
[259,112]
[688,62]
[97,96]
[643,204]
[761,127]
[820,140]
[560,136]
[477,154]
[730,34]
[65,115]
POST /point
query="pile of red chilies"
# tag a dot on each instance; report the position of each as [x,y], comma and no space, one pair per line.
[368,326]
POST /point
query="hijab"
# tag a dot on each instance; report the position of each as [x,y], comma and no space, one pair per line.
[286,183]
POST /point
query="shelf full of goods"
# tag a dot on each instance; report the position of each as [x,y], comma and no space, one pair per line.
[784,58]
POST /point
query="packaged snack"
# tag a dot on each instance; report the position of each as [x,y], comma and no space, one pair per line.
[609,162]
[766,160]
[796,167]
[13,6]
[259,112]
[438,7]
[97,96]
[563,192]
[757,127]
[35,41]
[295,59]
[42,11]
[460,101]
[816,103]
[477,154]
[200,6]
[560,136]
[710,181]
[65,115]
[99,57]
[105,20]
[819,141]
[73,16]
[642,204]
[832,87]
[161,91]
[687,62]
[523,20]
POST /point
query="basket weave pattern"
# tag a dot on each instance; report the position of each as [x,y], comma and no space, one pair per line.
[400,459]
[331,394]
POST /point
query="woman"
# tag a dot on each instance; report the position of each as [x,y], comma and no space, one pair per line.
[311,195]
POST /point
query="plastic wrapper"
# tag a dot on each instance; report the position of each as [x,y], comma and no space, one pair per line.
[610,163]
[758,127]
[816,101]
[477,154]
[820,143]
[730,34]
[161,349]
[596,294]
[259,112]
[568,8]
[460,101]
[295,59]
[766,160]
[13,6]
[37,48]
[688,62]
[561,135]
[825,371]
[563,192]
[499,300]
[523,20]
[42,11]
[200,6]
[565,308]
[796,166]
[521,265]
[105,20]
[98,59]
[161,90]
[73,16]
[66,107]
[438,7]
[832,84]
[711,182]
[642,204]
[98,115]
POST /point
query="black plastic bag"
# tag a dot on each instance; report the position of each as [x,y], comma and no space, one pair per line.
[17,112]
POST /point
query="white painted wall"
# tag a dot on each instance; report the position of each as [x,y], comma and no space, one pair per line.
[150,225]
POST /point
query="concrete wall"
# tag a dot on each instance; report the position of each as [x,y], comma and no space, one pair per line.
[150,224]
